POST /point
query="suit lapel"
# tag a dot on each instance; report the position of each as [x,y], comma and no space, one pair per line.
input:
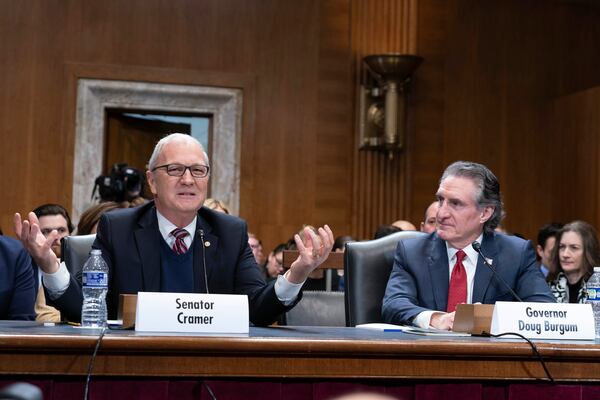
[438,268]
[483,275]
[211,243]
[147,239]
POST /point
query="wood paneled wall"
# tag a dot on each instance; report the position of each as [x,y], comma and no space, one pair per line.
[381,185]
[488,91]
[485,93]
[291,57]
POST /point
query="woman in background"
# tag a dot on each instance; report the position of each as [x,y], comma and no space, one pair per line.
[574,257]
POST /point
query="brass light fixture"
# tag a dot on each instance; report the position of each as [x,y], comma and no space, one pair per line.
[382,101]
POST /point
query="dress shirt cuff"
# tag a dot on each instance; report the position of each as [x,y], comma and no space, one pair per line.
[423,319]
[286,291]
[58,282]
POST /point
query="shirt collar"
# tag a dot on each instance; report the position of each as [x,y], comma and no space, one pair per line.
[469,250]
[166,227]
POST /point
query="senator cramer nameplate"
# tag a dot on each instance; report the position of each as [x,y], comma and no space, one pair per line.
[192,312]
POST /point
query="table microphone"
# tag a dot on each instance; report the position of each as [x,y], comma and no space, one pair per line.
[201,232]
[477,247]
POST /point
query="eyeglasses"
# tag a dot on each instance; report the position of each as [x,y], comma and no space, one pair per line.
[197,170]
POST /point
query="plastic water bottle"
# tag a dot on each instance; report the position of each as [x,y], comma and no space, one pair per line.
[95,286]
[593,293]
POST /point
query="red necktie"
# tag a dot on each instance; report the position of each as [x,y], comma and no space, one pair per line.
[457,292]
[179,246]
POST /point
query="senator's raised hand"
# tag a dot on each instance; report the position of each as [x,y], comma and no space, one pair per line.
[313,250]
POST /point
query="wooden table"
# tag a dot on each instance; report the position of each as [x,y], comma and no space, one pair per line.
[293,352]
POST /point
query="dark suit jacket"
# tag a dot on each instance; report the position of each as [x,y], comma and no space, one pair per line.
[419,279]
[130,242]
[17,287]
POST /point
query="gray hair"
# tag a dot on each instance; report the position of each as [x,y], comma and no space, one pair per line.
[174,137]
[488,188]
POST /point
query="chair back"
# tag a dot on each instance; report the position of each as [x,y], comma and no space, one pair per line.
[75,251]
[367,268]
[318,308]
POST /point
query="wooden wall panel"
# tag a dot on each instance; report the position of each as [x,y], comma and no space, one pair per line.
[577,122]
[380,184]
[485,93]
[295,71]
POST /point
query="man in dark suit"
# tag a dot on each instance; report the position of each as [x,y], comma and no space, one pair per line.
[17,286]
[174,245]
[433,273]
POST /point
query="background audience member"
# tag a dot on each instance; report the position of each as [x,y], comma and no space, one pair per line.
[136,201]
[216,205]
[428,224]
[386,229]
[404,225]
[574,257]
[17,285]
[274,265]
[90,217]
[54,217]
[339,246]
[546,239]
[257,249]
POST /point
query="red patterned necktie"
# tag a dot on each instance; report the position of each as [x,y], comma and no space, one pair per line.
[457,292]
[179,246]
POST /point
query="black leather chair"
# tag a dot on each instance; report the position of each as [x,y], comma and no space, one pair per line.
[367,268]
[76,250]
[318,308]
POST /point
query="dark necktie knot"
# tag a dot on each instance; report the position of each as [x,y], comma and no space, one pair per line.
[179,246]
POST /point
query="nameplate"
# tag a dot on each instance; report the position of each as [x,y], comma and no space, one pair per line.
[191,312]
[544,320]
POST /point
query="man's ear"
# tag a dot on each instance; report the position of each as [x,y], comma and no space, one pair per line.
[539,250]
[487,213]
[151,183]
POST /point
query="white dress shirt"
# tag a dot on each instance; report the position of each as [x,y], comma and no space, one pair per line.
[423,319]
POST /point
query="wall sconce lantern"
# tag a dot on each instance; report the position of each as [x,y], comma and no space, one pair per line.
[382,101]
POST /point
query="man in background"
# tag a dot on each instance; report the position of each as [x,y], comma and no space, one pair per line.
[54,217]
[546,239]
[51,217]
[428,224]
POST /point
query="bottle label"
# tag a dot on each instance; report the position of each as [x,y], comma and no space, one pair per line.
[593,294]
[95,279]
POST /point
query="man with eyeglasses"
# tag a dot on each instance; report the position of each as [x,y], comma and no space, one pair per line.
[173,244]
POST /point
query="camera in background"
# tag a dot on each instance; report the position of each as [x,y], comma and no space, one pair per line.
[124,183]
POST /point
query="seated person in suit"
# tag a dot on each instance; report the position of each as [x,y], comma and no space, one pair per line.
[17,286]
[434,273]
[173,244]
